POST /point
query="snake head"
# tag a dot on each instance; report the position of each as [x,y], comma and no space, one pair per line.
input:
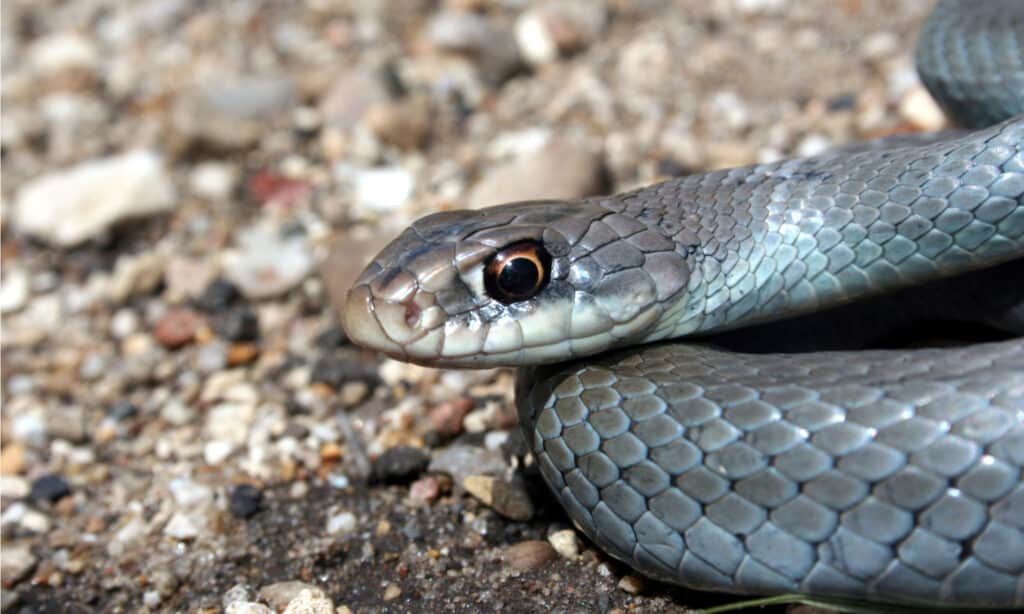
[534,282]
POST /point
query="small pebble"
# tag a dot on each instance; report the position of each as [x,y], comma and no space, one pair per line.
[238,324]
[177,328]
[12,458]
[30,429]
[633,585]
[123,410]
[566,543]
[267,262]
[242,354]
[400,465]
[920,109]
[245,500]
[509,499]
[247,607]
[151,599]
[182,526]
[447,417]
[219,295]
[392,592]
[280,594]
[16,561]
[189,494]
[310,602]
[14,291]
[14,487]
[238,592]
[425,490]
[341,523]
[50,487]
[531,554]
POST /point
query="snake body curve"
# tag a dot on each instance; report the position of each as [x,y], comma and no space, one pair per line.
[888,475]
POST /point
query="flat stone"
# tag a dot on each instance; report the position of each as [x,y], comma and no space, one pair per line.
[72,206]
[560,171]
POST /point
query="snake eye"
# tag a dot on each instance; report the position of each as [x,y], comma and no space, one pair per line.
[517,272]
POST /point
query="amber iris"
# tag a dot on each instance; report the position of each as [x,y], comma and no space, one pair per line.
[517,272]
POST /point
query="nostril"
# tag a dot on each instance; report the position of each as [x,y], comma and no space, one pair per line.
[412,314]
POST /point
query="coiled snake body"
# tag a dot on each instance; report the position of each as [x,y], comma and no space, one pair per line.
[888,475]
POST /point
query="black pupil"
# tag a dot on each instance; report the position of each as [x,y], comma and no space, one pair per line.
[519,277]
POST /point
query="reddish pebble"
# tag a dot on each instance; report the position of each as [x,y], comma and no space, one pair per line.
[177,328]
[447,417]
[425,490]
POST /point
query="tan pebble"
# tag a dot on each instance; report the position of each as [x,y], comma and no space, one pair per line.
[565,543]
[632,584]
[12,459]
[106,433]
[532,554]
[512,501]
[383,528]
[481,487]
[404,124]
[242,353]
[353,393]
[137,344]
[392,592]
[96,524]
[330,451]
[343,609]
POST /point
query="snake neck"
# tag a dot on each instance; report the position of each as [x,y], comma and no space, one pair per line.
[765,242]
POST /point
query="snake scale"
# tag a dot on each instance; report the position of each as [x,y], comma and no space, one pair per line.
[891,475]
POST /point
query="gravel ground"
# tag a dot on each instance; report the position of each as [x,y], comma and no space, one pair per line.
[189,186]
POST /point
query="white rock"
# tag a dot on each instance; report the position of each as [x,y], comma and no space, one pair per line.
[13,515]
[13,487]
[550,29]
[342,523]
[151,599]
[565,543]
[536,44]
[921,110]
[132,530]
[136,274]
[62,52]
[14,290]
[177,413]
[213,180]
[379,189]
[216,452]
[247,607]
[35,522]
[267,264]
[31,429]
[15,562]
[230,422]
[124,322]
[182,526]
[189,494]
[72,206]
[310,602]
[812,145]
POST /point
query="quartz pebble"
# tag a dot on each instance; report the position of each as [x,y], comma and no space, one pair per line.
[72,206]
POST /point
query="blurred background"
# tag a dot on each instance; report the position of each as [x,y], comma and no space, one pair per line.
[187,187]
